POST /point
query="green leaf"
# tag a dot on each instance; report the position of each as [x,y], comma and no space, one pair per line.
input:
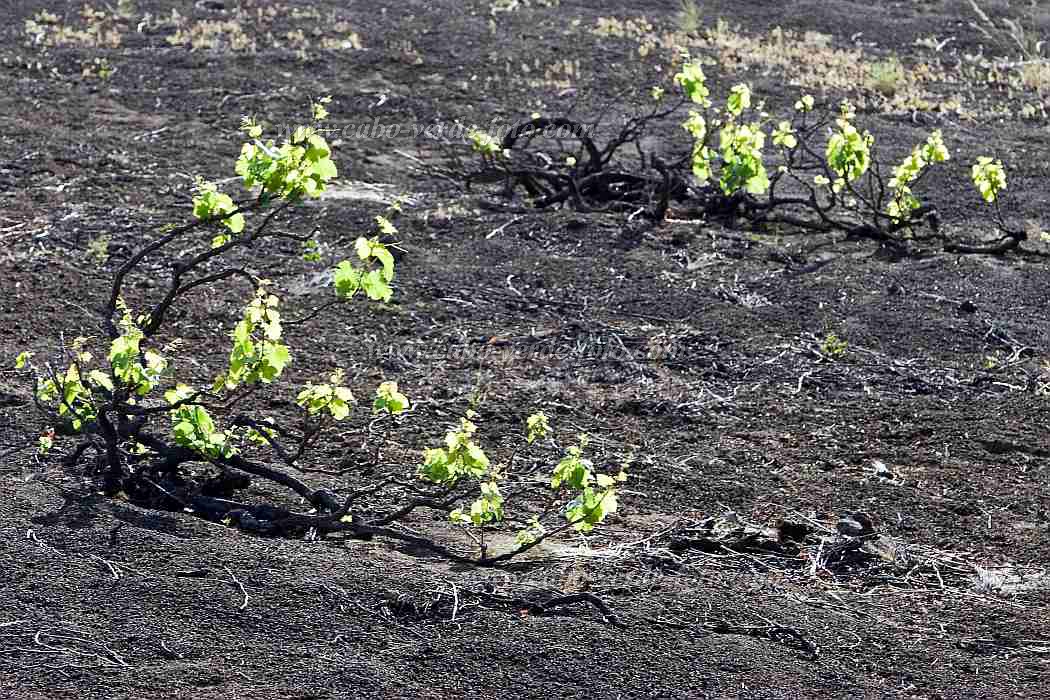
[202,419]
[277,358]
[385,227]
[590,508]
[339,409]
[530,534]
[376,286]
[318,148]
[572,471]
[380,253]
[989,177]
[477,456]
[346,279]
[272,331]
[101,378]
[389,399]
[336,399]
[202,207]
[758,183]
[848,151]
[692,81]
[181,392]
[784,135]
[363,248]
[435,466]
[325,169]
[235,223]
[536,427]
[739,99]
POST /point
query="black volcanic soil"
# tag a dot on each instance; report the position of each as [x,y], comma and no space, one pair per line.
[688,350]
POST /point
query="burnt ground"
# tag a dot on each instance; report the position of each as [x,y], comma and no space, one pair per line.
[690,351]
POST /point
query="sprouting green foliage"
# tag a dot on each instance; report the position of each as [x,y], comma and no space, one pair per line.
[374,250]
[98,248]
[989,177]
[385,227]
[212,204]
[591,506]
[904,202]
[573,470]
[320,112]
[76,392]
[251,127]
[904,175]
[530,533]
[332,397]
[594,495]
[484,143]
[934,150]
[486,509]
[114,393]
[45,442]
[805,186]
[591,496]
[258,355]
[784,135]
[739,99]
[693,82]
[72,399]
[804,104]
[739,159]
[461,457]
[536,427]
[193,427]
[262,435]
[376,269]
[742,167]
[740,146]
[696,125]
[389,400]
[140,371]
[834,347]
[849,151]
[301,166]
[311,251]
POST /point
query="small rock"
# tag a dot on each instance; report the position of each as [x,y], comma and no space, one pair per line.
[858,524]
[881,470]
